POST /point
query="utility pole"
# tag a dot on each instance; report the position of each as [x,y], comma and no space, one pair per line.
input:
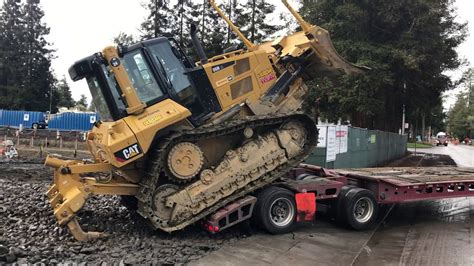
[403,111]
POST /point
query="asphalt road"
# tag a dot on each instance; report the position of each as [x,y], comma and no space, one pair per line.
[463,155]
[420,233]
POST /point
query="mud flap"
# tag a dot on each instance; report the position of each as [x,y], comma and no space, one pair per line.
[305,206]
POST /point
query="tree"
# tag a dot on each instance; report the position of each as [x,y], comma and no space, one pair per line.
[64,94]
[253,19]
[461,116]
[124,38]
[459,125]
[408,45]
[213,30]
[158,21]
[26,80]
[39,81]
[11,65]
[82,105]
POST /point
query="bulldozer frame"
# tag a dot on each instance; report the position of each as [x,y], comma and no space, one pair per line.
[75,180]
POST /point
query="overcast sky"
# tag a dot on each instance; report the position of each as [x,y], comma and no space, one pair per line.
[81,28]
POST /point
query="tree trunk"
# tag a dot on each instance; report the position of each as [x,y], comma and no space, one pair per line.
[252,25]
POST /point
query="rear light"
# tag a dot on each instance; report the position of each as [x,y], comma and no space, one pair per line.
[211,228]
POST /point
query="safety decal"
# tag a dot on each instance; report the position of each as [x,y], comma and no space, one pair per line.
[266,75]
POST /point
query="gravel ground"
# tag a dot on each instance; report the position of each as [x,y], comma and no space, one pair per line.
[29,232]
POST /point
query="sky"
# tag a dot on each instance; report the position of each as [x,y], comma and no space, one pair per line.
[81,28]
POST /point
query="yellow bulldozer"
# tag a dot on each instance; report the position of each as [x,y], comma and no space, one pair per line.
[180,139]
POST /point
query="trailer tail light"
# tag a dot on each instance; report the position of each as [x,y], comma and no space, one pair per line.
[306,206]
[211,228]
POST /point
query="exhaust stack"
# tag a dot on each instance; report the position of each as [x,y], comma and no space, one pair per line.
[197,45]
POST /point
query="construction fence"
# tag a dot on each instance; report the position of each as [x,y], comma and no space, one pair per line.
[351,147]
[44,138]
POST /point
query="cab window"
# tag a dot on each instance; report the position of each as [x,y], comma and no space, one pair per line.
[141,77]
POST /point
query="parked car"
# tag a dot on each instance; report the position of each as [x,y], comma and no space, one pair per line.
[39,125]
[441,139]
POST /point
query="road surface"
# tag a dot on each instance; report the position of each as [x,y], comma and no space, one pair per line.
[463,155]
[421,233]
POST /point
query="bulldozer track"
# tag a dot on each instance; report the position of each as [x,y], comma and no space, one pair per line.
[157,170]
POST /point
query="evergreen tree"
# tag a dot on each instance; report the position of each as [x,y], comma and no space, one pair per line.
[253,20]
[213,30]
[408,44]
[185,13]
[26,81]
[159,20]
[11,65]
[459,124]
[124,38]
[461,116]
[64,94]
[39,81]
[232,9]
[82,105]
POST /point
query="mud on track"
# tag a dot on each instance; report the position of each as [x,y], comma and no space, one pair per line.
[29,232]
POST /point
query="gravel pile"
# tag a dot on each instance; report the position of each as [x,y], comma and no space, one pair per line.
[29,232]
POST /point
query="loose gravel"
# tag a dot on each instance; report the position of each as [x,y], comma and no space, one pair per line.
[29,232]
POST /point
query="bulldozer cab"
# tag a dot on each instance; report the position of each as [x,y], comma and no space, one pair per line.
[157,69]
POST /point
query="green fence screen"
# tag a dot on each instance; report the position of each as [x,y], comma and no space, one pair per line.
[366,148]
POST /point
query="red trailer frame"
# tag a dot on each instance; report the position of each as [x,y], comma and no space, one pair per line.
[388,184]
[392,184]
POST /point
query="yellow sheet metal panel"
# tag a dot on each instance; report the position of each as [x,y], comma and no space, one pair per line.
[153,119]
[240,77]
[128,139]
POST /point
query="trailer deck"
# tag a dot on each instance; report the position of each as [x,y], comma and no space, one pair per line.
[398,184]
[316,188]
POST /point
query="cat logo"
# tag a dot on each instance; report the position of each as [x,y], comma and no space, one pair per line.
[128,153]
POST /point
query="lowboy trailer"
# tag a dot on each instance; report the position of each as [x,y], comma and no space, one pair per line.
[353,196]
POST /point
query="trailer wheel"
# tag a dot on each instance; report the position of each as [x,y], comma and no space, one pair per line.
[338,206]
[275,210]
[34,126]
[359,209]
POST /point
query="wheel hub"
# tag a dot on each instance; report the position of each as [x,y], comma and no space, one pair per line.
[185,160]
[162,212]
[363,210]
[281,212]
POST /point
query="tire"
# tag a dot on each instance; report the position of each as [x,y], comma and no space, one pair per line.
[337,207]
[276,199]
[446,144]
[34,126]
[359,209]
